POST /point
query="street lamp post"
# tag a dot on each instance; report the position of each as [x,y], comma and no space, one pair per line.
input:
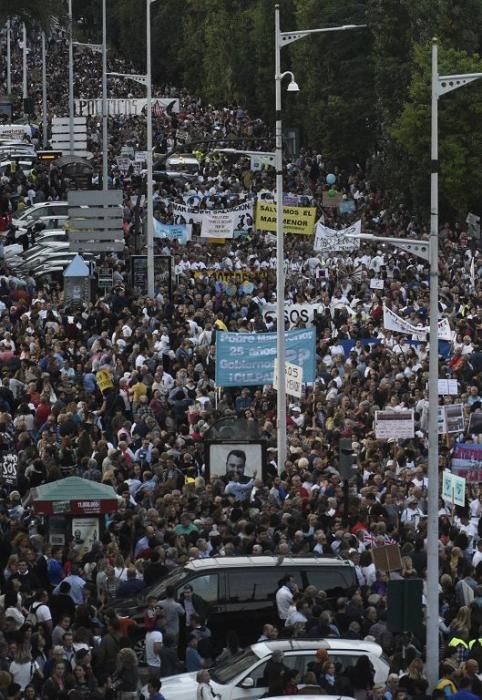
[283,39]
[24,65]
[45,123]
[440,86]
[428,251]
[149,189]
[9,59]
[102,48]
[71,81]
[144,80]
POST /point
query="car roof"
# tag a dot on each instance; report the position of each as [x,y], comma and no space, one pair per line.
[302,696]
[262,649]
[235,562]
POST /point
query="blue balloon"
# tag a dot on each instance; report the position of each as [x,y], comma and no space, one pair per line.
[331,179]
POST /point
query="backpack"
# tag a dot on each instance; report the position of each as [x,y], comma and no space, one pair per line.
[32,614]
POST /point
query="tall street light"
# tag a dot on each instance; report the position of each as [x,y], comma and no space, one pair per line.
[101,48]
[441,84]
[71,81]
[9,59]
[45,124]
[428,251]
[283,39]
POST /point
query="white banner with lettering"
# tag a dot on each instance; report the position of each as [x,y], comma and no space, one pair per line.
[293,313]
[129,107]
[393,322]
[330,239]
[232,222]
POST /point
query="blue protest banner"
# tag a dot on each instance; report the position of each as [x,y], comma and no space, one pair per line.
[247,359]
[173,232]
[348,345]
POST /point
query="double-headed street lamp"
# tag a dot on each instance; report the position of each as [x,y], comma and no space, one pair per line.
[283,39]
[428,251]
[147,81]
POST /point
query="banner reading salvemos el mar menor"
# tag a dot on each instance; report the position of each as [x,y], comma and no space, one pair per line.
[247,359]
[295,219]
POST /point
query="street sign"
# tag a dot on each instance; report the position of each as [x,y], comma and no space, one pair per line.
[293,377]
[96,220]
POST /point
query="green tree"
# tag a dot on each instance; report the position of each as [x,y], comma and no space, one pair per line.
[44,13]
[460,132]
[335,73]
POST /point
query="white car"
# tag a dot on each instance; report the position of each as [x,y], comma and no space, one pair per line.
[242,676]
[36,211]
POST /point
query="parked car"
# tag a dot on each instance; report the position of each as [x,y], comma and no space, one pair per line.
[242,590]
[36,211]
[242,676]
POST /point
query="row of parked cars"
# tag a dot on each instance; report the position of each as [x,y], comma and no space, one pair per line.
[38,241]
[239,594]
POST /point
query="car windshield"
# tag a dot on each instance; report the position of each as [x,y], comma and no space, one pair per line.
[225,672]
[158,589]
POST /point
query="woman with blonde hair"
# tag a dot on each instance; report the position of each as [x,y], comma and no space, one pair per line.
[125,679]
[461,623]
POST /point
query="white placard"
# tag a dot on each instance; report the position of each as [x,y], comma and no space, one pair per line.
[397,425]
[330,239]
[217,224]
[453,488]
[377,284]
[293,376]
[448,387]
[293,312]
[141,156]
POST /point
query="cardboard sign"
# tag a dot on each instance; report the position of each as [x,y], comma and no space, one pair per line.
[377,284]
[387,558]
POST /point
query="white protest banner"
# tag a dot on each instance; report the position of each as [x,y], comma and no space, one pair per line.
[293,312]
[123,163]
[453,488]
[141,156]
[186,215]
[377,284]
[293,377]
[217,224]
[395,425]
[329,239]
[128,107]
[448,387]
[240,218]
[393,322]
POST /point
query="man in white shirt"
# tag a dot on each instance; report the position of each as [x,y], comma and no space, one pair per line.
[154,640]
[284,597]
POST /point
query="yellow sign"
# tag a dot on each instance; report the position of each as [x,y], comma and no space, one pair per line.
[104,380]
[295,219]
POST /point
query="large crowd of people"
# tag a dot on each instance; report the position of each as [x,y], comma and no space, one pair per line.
[142,431]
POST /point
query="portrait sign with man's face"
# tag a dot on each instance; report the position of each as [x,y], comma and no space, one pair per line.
[242,459]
